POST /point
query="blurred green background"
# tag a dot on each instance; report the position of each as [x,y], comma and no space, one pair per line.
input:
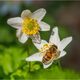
[65,15]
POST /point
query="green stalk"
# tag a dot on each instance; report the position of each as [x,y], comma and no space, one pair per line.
[29,62]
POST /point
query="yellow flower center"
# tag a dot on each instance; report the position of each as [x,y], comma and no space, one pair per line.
[30,26]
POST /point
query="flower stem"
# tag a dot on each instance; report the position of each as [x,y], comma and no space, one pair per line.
[29,62]
[29,66]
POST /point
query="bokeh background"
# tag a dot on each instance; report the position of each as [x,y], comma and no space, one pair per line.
[65,15]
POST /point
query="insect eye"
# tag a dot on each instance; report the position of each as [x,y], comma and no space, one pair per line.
[55,46]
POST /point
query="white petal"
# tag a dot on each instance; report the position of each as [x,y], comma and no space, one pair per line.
[39,14]
[64,43]
[34,57]
[25,13]
[39,46]
[36,38]
[23,38]
[62,53]
[15,22]
[18,33]
[54,38]
[44,26]
[48,65]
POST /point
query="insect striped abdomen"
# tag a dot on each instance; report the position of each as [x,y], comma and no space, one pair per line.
[47,57]
[50,55]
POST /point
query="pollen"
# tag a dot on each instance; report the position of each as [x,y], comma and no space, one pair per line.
[45,47]
[30,26]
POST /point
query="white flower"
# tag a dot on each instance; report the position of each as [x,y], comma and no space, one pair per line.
[48,52]
[29,25]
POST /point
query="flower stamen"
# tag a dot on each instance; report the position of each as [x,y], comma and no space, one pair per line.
[30,26]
